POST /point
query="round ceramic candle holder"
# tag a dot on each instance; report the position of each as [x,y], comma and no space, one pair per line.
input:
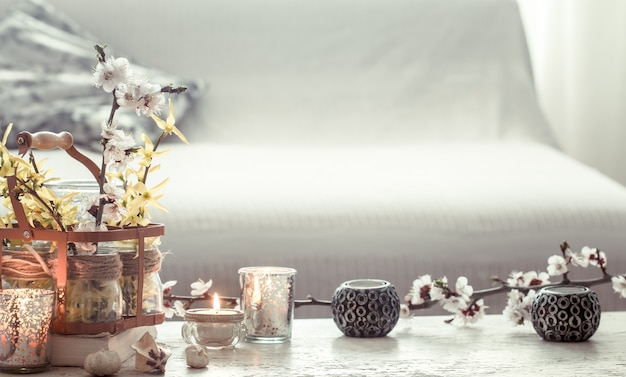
[215,329]
[565,313]
[365,308]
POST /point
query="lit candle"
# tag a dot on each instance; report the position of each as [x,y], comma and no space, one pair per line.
[213,328]
[25,316]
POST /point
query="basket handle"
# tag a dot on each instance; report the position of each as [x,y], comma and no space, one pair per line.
[45,140]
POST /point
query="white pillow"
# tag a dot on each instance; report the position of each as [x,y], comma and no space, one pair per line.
[46,63]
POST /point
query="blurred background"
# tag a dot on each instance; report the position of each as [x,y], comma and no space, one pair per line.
[578,51]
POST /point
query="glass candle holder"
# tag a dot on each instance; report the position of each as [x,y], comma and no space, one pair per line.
[25,318]
[213,328]
[267,302]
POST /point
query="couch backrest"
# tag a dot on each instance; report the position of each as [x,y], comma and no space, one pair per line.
[354,71]
[337,71]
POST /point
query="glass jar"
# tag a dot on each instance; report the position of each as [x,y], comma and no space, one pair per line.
[213,328]
[27,265]
[87,193]
[25,316]
[152,292]
[93,287]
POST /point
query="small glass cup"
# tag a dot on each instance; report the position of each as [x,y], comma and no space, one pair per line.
[212,328]
[267,302]
[25,318]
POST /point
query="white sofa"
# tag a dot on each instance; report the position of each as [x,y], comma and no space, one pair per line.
[360,139]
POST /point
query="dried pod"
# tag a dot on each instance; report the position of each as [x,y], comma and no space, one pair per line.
[197,356]
[150,356]
[102,363]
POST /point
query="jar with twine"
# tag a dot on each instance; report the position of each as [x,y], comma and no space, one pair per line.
[152,292]
[27,266]
[93,287]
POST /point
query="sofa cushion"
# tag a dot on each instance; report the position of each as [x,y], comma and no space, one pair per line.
[46,80]
[299,72]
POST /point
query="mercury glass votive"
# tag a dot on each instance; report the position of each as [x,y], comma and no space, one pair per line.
[25,318]
[267,300]
[213,328]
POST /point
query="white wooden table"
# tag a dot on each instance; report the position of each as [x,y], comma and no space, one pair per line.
[421,346]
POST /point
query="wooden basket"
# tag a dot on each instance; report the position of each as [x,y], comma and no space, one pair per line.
[24,231]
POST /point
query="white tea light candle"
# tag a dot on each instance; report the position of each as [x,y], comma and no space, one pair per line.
[213,328]
[267,302]
[25,317]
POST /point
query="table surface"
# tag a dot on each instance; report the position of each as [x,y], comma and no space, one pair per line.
[420,346]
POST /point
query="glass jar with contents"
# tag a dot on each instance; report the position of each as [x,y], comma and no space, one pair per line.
[152,292]
[93,287]
[27,265]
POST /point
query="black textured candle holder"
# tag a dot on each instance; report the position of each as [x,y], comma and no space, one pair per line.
[565,313]
[365,308]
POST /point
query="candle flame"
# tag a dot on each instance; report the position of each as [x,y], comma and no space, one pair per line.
[216,302]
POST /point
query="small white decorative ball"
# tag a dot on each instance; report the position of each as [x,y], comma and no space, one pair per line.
[103,363]
[197,356]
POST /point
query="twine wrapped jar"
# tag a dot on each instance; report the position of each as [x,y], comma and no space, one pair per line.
[27,265]
[152,293]
[93,287]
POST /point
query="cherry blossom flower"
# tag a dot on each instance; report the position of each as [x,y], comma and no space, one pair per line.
[528,279]
[420,290]
[463,289]
[619,285]
[87,248]
[472,313]
[405,312]
[467,304]
[114,213]
[167,287]
[112,191]
[110,73]
[439,288]
[127,95]
[517,309]
[557,265]
[577,259]
[596,257]
[117,148]
[146,98]
[177,308]
[199,287]
[453,304]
